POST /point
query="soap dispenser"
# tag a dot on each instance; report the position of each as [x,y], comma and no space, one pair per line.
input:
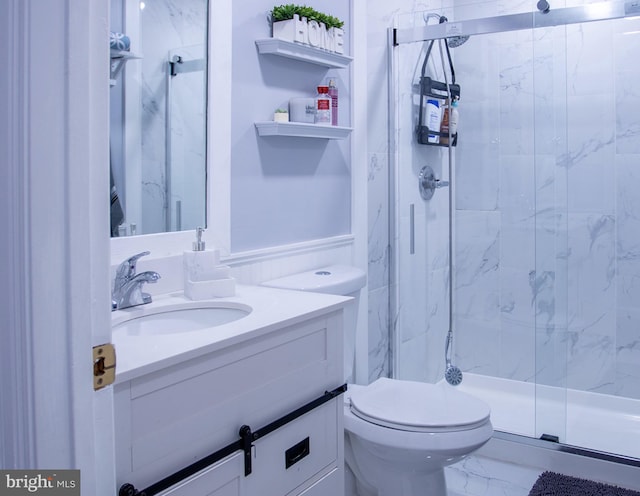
[200,263]
[204,277]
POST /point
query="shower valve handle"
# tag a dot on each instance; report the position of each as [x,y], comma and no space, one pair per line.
[428,183]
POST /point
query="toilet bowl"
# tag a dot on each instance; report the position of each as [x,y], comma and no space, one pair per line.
[399,435]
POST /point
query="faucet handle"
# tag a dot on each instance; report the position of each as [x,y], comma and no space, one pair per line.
[127,269]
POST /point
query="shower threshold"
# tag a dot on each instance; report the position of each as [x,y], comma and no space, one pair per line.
[588,424]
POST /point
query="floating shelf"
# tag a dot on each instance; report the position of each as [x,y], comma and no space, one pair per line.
[118,59]
[307,53]
[302,130]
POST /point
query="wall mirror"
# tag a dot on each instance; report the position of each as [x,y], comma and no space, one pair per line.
[158,116]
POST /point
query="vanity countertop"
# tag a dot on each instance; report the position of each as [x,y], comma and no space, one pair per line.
[272,309]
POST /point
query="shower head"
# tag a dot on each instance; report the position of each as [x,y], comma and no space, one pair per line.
[456,41]
[453,375]
[452,41]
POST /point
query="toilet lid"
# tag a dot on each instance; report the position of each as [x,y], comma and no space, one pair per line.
[418,407]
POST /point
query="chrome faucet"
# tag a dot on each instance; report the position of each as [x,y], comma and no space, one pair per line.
[127,285]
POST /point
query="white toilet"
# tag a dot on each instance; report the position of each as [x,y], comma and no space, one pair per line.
[399,435]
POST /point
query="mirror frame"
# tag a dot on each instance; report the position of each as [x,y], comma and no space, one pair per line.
[218,198]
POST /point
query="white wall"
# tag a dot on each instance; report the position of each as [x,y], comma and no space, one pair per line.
[284,190]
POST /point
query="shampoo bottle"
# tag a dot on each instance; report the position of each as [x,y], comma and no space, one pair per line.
[433,119]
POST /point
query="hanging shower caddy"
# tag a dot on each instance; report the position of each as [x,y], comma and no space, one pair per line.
[441,91]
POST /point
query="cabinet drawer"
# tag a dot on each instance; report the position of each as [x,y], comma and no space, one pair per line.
[331,484]
[296,452]
[225,478]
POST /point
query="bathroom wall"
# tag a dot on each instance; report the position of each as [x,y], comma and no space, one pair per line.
[283,190]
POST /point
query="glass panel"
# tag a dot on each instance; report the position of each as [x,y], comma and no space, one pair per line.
[547,49]
[421,235]
[494,226]
[597,158]
[547,250]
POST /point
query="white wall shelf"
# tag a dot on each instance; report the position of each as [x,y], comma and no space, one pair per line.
[302,52]
[118,59]
[302,130]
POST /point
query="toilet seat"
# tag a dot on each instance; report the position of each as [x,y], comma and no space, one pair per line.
[418,407]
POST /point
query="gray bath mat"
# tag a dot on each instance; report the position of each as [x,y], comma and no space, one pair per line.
[552,484]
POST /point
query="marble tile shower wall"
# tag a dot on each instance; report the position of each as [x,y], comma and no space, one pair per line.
[548,202]
[547,237]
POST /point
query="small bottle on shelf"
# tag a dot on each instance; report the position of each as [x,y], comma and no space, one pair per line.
[333,94]
[323,107]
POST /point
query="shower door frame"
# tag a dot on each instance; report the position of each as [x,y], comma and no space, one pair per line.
[603,11]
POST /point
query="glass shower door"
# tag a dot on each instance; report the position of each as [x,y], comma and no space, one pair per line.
[508,236]
[549,278]
[419,299]
[546,208]
[592,355]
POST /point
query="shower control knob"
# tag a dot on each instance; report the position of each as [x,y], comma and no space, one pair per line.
[428,183]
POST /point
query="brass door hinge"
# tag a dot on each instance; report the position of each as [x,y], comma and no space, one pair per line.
[104,365]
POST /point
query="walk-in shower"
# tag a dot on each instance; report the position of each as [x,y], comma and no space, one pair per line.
[545,247]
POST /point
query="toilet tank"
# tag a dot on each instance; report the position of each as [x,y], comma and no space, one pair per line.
[342,280]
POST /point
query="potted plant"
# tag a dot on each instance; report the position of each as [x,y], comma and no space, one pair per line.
[281,115]
[302,24]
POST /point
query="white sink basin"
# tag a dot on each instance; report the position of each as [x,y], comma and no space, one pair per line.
[178,320]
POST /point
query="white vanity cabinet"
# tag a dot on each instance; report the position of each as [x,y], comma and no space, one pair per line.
[170,418]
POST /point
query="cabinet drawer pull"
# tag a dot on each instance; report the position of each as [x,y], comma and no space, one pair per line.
[296,453]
